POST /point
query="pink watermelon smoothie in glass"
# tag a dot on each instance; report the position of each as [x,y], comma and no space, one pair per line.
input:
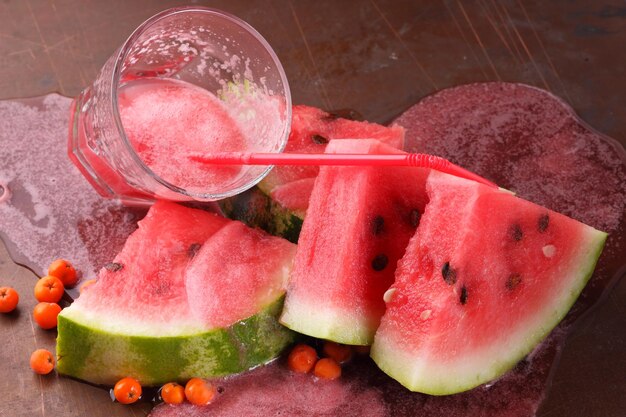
[189,80]
[167,120]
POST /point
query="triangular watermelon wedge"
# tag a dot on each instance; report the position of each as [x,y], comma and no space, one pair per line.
[163,309]
[359,222]
[484,279]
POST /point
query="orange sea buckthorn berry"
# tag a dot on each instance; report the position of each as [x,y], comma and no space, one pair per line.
[127,390]
[327,368]
[45,315]
[199,392]
[49,289]
[87,284]
[63,270]
[340,353]
[302,358]
[8,299]
[173,393]
[42,361]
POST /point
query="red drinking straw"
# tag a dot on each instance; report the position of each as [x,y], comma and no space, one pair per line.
[411,159]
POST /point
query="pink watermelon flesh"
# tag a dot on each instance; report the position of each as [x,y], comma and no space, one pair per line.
[485,278]
[294,195]
[357,226]
[311,131]
[148,276]
[251,276]
[210,270]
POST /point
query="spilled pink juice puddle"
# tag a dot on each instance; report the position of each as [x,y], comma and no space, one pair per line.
[520,137]
[52,211]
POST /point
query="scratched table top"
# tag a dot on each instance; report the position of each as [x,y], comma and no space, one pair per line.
[375,56]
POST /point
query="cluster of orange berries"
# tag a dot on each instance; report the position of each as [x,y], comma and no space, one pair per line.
[48,291]
[304,359]
[197,391]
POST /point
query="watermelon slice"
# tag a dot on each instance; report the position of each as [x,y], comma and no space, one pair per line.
[252,275]
[164,310]
[357,227]
[279,202]
[485,278]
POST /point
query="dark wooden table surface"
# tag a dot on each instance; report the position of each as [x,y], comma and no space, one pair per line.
[376,56]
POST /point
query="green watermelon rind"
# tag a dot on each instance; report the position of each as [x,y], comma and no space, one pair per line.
[404,368]
[267,185]
[257,209]
[327,323]
[103,357]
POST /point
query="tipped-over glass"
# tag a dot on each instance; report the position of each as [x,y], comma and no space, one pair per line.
[187,81]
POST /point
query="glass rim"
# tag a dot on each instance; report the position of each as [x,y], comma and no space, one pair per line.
[122,55]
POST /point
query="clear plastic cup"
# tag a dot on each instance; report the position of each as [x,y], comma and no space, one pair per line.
[193,47]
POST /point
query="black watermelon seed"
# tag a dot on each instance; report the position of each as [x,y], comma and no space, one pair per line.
[193,250]
[415,217]
[220,389]
[516,232]
[113,267]
[378,224]
[448,273]
[380,262]
[513,281]
[463,297]
[543,223]
[319,139]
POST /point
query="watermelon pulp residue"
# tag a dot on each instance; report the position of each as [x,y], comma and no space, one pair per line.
[273,391]
[363,391]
